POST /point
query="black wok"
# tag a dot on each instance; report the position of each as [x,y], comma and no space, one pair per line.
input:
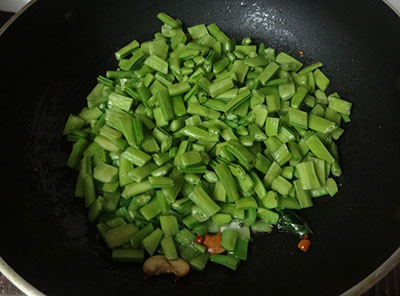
[49,58]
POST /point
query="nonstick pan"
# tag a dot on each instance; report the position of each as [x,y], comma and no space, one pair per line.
[49,58]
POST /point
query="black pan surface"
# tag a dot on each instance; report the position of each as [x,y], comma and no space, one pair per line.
[49,59]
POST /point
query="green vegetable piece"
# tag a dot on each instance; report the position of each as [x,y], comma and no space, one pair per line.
[105,173]
[125,166]
[321,80]
[298,118]
[126,50]
[339,105]
[204,201]
[273,103]
[256,133]
[331,186]
[281,185]
[307,175]
[287,90]
[320,124]
[169,225]
[270,200]
[273,172]
[73,123]
[157,64]
[219,193]
[220,87]
[319,149]
[75,157]
[163,170]
[239,99]
[198,31]
[229,238]
[166,19]
[284,58]
[178,105]
[195,108]
[267,73]
[110,201]
[95,209]
[225,260]
[240,69]
[185,237]
[261,226]
[127,64]
[268,215]
[250,217]
[272,126]
[151,209]
[241,248]
[299,96]
[120,235]
[128,255]
[245,157]
[221,219]
[278,150]
[119,101]
[138,131]
[217,33]
[246,49]
[190,158]
[159,48]
[289,202]
[310,68]
[302,195]
[246,203]
[149,144]
[125,124]
[161,182]
[136,188]
[169,248]
[199,263]
[178,88]
[165,104]
[140,173]
[151,242]
[172,192]
[138,236]
[261,113]
[136,156]
[197,133]
[89,190]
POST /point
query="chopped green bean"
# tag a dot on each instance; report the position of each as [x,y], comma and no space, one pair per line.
[138,236]
[136,156]
[319,149]
[119,236]
[157,64]
[225,260]
[169,248]
[127,255]
[203,200]
[161,182]
[151,241]
[229,238]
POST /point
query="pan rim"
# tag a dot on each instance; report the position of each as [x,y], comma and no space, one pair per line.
[361,287]
[12,19]
[393,6]
[17,280]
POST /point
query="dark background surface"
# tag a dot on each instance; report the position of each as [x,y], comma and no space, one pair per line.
[388,286]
